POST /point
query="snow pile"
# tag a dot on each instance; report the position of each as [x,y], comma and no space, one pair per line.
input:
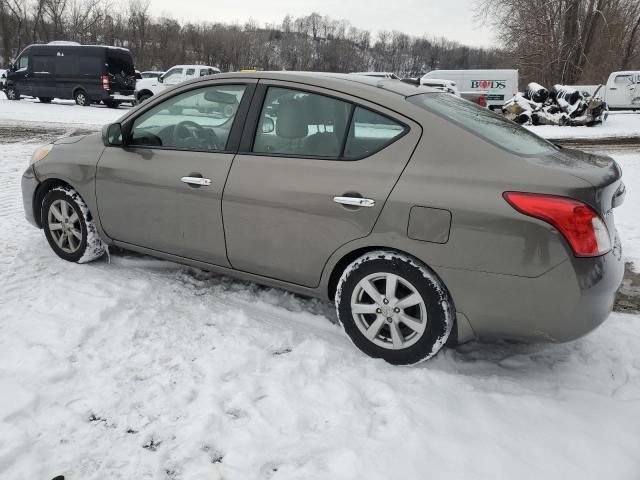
[561,105]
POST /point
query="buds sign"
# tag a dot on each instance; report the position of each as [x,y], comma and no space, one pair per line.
[489,84]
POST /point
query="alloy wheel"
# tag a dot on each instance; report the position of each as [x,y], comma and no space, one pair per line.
[65,226]
[389,311]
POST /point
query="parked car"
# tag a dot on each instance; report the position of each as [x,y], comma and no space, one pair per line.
[498,85]
[390,75]
[440,84]
[148,87]
[89,74]
[621,92]
[152,74]
[448,86]
[425,218]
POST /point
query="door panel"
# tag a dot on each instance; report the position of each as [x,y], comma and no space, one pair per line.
[163,191]
[44,76]
[143,201]
[281,220]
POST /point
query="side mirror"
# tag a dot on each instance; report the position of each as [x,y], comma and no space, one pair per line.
[267,125]
[138,75]
[13,67]
[161,78]
[112,135]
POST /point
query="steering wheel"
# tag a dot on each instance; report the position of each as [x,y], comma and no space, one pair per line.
[199,137]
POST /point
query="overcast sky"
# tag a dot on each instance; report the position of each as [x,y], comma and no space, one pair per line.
[453,19]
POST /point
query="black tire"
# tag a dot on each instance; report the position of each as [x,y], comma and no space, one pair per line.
[111,104]
[438,309]
[12,93]
[81,98]
[144,97]
[45,99]
[89,245]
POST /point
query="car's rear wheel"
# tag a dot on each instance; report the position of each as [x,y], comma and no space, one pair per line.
[394,307]
[12,93]
[69,226]
[82,98]
[45,99]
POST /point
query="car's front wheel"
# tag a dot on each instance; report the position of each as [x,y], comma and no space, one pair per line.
[12,93]
[69,226]
[394,307]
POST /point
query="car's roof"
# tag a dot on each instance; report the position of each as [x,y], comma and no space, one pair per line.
[194,66]
[336,81]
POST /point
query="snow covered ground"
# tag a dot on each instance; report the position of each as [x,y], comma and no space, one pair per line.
[134,368]
[619,124]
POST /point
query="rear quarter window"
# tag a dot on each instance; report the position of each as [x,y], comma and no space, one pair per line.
[369,133]
[483,123]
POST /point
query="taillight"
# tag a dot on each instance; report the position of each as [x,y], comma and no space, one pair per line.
[580,224]
[482,101]
[105,82]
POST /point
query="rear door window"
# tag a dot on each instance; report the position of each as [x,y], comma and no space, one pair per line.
[119,63]
[301,124]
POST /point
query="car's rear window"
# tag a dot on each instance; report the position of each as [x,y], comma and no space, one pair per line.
[484,123]
[119,62]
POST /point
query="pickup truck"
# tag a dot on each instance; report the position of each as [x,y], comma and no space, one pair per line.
[147,87]
[621,92]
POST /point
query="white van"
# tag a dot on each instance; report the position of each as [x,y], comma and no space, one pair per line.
[621,92]
[501,85]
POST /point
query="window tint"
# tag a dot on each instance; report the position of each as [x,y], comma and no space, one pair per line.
[199,120]
[44,65]
[119,63]
[68,65]
[91,66]
[484,123]
[191,71]
[301,124]
[370,132]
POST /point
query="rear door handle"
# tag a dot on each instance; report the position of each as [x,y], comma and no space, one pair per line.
[355,201]
[199,181]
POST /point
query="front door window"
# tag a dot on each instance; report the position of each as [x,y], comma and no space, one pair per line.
[198,120]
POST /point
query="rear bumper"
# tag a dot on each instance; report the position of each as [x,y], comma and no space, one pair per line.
[29,184]
[565,303]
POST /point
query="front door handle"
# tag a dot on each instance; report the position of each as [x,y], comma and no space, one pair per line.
[199,181]
[355,201]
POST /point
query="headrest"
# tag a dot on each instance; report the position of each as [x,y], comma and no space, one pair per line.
[292,120]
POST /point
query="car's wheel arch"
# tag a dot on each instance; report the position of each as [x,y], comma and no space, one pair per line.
[144,92]
[338,263]
[45,187]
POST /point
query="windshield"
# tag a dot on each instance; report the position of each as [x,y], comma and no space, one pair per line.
[484,123]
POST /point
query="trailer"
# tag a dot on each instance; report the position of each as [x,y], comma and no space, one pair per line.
[500,85]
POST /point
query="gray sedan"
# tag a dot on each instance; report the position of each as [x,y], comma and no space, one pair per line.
[424,217]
